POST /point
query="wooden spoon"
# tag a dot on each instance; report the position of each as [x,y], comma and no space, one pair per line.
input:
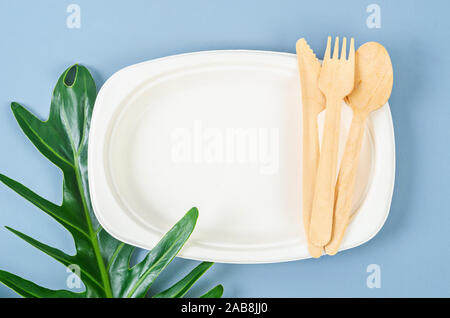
[373,86]
[313,102]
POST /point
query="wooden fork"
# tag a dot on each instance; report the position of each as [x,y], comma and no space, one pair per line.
[336,81]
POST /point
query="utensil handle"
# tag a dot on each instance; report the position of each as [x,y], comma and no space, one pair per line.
[345,185]
[310,161]
[323,203]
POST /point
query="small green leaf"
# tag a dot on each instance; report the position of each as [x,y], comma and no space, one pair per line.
[141,276]
[215,292]
[29,289]
[57,254]
[180,288]
[48,207]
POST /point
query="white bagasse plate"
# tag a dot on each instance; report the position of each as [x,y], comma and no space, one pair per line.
[160,144]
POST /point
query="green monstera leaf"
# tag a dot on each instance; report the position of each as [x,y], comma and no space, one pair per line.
[103,261]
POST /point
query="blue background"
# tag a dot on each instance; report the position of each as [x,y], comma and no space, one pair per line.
[412,249]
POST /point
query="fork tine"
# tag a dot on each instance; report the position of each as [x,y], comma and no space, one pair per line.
[328,49]
[344,48]
[351,55]
[336,49]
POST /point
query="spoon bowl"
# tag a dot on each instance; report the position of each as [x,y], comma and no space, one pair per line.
[373,78]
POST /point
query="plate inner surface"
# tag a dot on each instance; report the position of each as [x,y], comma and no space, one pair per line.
[225,139]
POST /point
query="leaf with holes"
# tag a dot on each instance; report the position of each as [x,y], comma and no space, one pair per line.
[104,262]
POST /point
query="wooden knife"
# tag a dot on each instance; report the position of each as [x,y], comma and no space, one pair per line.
[313,102]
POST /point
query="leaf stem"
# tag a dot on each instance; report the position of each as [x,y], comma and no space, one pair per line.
[93,238]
